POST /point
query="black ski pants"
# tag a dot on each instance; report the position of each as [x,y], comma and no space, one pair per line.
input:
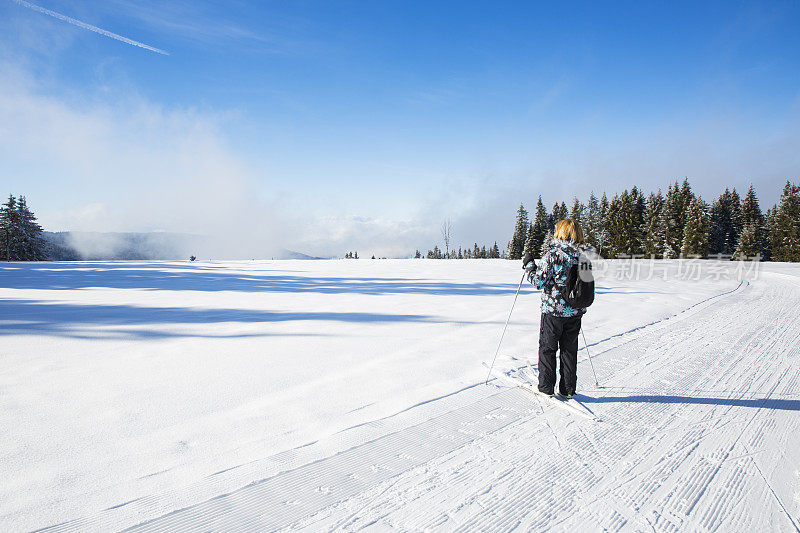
[557,333]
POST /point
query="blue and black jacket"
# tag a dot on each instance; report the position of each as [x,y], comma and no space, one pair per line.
[551,278]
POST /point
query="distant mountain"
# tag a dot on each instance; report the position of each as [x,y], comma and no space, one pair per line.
[106,246]
[291,254]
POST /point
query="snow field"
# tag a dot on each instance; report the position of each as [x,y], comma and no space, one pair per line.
[167,384]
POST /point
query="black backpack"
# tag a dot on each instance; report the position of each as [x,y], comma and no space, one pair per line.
[580,284]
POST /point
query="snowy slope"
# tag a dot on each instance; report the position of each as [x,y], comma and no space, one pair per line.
[325,394]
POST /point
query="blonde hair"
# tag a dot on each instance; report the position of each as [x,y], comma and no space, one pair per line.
[569,230]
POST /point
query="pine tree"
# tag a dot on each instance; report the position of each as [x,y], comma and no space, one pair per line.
[546,244]
[749,243]
[590,221]
[577,211]
[770,226]
[724,224]
[736,215]
[676,206]
[495,251]
[614,222]
[717,222]
[635,222]
[602,229]
[625,224]
[32,247]
[517,246]
[552,217]
[668,227]
[20,235]
[668,251]
[695,235]
[751,211]
[734,222]
[784,228]
[562,212]
[529,238]
[476,252]
[9,229]
[538,230]
[686,192]
[654,232]
[752,216]
[558,214]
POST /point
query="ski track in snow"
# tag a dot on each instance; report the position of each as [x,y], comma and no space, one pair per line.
[647,469]
[701,413]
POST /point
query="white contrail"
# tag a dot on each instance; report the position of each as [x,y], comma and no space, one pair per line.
[89,27]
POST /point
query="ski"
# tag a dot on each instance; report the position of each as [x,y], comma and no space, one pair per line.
[578,405]
[571,405]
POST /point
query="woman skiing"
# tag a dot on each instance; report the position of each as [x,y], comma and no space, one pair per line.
[560,323]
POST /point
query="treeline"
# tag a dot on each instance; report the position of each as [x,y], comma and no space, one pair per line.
[678,223]
[476,252]
[20,234]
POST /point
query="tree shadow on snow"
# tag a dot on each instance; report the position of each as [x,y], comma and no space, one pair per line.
[72,276]
[781,404]
[34,317]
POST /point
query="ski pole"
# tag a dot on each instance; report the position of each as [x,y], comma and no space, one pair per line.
[586,345]
[486,382]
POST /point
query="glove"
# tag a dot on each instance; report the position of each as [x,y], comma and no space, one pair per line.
[528,263]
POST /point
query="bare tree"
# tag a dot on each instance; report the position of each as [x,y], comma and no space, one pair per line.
[447,229]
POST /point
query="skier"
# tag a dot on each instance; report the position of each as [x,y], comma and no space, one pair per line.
[560,323]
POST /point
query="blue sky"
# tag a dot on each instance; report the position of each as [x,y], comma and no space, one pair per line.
[361,125]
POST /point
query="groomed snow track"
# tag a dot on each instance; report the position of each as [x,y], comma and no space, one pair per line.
[701,422]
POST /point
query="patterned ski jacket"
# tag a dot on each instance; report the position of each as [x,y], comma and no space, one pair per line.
[551,277]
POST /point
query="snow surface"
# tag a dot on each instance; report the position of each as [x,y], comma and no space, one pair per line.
[349,394]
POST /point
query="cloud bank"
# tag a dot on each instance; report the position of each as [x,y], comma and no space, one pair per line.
[114,162]
[122,163]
